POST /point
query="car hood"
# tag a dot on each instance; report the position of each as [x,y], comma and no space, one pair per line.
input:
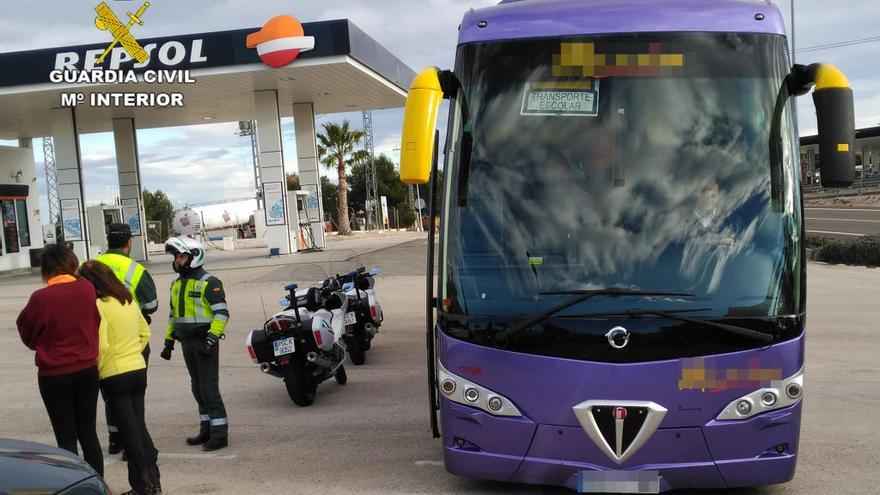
[36,468]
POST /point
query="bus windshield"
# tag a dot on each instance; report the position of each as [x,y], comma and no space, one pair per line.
[635,162]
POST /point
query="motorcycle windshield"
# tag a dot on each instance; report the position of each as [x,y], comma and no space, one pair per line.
[348,265]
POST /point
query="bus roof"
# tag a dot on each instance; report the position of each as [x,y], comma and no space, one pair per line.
[516,19]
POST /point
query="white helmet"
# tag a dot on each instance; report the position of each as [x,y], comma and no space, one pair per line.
[189,246]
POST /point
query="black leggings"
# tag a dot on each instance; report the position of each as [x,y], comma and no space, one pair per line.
[112,429]
[72,401]
[125,396]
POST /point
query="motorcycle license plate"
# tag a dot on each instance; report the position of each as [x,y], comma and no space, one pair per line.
[350,318]
[284,346]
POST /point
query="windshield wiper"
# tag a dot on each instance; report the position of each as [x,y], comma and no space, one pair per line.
[582,295]
[670,314]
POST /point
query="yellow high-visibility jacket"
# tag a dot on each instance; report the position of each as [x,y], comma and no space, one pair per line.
[122,336]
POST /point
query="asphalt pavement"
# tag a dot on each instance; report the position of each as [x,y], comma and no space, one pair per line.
[372,435]
[844,223]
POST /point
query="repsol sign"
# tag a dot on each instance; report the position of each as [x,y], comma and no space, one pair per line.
[184,52]
[170,54]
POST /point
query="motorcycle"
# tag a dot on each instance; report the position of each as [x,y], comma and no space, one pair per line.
[364,315]
[303,343]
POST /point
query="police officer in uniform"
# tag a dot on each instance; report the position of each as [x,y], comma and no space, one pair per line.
[198,318]
[139,282]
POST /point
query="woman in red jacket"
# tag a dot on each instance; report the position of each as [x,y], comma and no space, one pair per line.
[60,323]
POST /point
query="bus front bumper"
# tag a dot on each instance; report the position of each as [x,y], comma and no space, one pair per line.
[759,451]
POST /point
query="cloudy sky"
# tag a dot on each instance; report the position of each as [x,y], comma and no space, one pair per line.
[420,32]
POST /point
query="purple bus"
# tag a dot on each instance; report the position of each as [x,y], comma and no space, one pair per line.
[621,291]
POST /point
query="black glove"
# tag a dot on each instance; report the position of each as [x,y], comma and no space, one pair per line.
[209,345]
[166,352]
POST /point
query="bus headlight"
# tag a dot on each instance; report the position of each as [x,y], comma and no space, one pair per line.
[462,391]
[471,394]
[782,393]
[447,386]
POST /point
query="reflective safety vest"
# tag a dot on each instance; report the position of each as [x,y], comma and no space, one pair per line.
[198,305]
[128,271]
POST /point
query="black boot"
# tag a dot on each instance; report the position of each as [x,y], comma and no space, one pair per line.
[114,445]
[202,437]
[155,486]
[215,443]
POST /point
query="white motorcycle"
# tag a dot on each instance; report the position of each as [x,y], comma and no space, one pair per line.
[303,343]
[364,312]
[364,315]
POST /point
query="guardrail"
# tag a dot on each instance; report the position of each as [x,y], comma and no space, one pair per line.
[864,186]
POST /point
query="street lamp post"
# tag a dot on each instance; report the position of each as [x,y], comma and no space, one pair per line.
[792,34]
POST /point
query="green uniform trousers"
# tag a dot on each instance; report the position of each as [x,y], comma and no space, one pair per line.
[204,377]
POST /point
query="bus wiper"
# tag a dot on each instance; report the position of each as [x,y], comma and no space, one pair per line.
[671,315]
[582,295]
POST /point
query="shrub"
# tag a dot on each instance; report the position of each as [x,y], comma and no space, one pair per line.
[861,251]
[818,242]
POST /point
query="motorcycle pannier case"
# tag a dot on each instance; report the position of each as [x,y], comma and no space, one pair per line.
[262,346]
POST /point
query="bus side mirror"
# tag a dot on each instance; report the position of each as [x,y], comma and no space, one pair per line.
[419,119]
[836,122]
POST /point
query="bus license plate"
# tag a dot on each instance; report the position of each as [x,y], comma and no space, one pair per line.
[619,482]
[350,318]
[284,346]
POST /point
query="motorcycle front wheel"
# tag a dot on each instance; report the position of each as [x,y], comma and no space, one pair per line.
[357,350]
[300,389]
[341,376]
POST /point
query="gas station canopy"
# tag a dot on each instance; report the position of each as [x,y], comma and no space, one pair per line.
[346,71]
[284,68]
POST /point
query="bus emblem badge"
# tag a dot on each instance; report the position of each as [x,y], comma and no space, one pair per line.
[619,428]
[618,337]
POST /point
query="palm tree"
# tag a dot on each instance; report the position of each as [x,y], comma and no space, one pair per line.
[336,149]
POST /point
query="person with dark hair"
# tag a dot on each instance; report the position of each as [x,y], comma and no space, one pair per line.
[139,282]
[131,273]
[60,322]
[123,373]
